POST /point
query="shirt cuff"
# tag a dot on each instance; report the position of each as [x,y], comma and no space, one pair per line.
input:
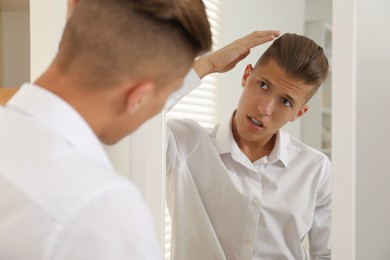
[191,81]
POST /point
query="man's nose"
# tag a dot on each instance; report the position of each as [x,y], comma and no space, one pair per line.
[265,107]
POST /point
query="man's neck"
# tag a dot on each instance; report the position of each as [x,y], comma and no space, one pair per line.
[88,104]
[258,149]
[253,149]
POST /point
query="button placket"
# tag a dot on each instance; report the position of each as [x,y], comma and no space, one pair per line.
[255,202]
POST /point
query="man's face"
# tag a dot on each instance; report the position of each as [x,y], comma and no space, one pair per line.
[269,100]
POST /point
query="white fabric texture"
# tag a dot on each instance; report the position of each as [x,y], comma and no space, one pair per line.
[223,206]
[60,197]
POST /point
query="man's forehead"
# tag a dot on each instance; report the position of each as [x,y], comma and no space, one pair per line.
[273,74]
[271,70]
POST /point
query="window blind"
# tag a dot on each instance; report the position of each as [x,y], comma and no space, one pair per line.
[200,104]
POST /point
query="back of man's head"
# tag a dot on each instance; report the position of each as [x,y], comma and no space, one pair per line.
[300,57]
[109,41]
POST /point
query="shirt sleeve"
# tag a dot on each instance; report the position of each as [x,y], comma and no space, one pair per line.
[320,233]
[191,82]
[172,152]
[116,225]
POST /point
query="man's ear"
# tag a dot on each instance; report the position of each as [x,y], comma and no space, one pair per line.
[71,5]
[247,72]
[300,113]
[137,95]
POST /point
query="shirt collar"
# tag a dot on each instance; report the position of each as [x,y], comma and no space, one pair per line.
[224,140]
[279,153]
[225,143]
[60,117]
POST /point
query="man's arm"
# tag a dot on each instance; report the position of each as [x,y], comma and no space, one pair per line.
[221,60]
[226,58]
[320,233]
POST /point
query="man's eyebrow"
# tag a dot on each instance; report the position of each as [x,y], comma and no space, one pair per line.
[289,97]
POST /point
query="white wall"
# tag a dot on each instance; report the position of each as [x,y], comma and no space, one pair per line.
[373,130]
[47,19]
[15,49]
[343,130]
[243,17]
[361,178]
[319,10]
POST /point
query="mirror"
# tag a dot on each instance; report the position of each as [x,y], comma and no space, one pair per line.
[218,95]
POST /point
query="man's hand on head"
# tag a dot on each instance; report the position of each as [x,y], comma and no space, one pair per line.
[226,58]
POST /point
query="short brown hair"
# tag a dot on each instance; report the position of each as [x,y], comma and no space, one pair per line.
[107,41]
[300,57]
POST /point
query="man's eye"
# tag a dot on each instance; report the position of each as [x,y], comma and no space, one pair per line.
[286,102]
[263,85]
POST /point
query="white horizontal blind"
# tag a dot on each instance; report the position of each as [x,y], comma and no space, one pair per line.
[200,104]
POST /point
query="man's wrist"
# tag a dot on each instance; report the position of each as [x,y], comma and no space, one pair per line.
[202,67]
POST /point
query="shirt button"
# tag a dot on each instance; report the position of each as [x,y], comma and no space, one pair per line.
[254,202]
[249,241]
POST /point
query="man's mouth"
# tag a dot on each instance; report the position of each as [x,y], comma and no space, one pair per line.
[256,122]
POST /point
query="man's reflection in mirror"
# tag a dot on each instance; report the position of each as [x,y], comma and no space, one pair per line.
[245,189]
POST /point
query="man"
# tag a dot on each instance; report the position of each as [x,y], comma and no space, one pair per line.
[117,63]
[245,189]
[60,197]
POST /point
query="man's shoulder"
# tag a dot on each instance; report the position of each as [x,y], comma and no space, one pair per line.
[68,196]
[184,123]
[188,127]
[299,148]
[189,136]
[52,174]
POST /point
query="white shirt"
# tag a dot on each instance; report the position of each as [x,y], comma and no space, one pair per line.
[223,206]
[60,198]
